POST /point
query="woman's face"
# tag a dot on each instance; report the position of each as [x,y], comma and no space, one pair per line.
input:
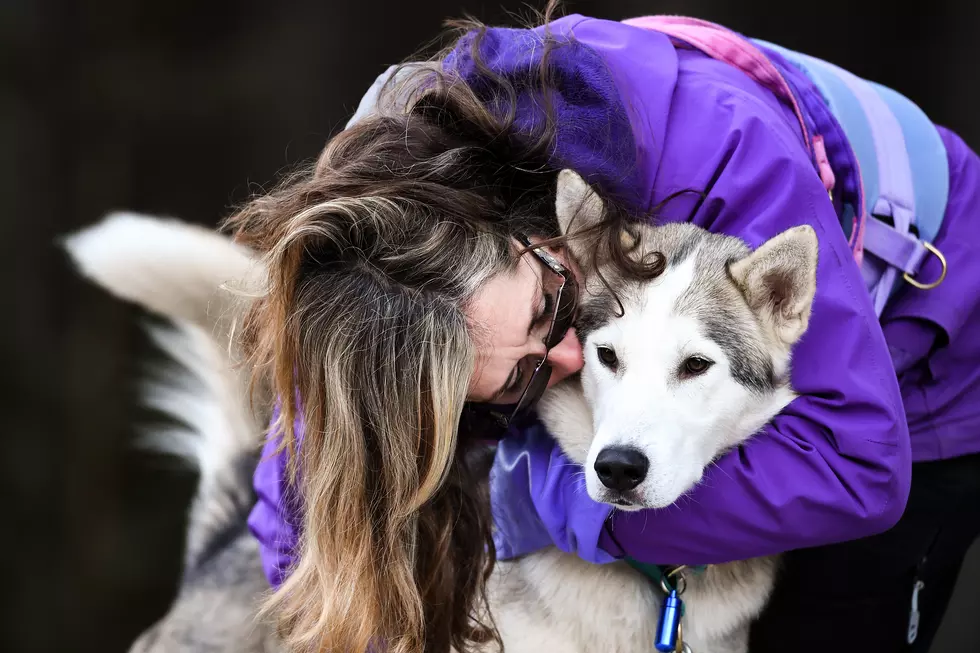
[514,312]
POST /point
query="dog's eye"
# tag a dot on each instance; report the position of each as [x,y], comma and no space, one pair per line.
[695,366]
[607,357]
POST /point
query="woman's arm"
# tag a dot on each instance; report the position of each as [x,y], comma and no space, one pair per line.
[275,519]
[834,465]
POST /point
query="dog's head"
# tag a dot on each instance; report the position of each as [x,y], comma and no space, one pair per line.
[680,368]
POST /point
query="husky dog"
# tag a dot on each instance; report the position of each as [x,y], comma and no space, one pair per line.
[678,370]
[696,362]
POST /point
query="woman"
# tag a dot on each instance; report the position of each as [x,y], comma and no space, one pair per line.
[401,289]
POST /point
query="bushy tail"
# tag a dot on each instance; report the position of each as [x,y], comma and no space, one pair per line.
[181,272]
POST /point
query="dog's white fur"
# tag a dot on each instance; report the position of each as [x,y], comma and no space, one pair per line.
[548,600]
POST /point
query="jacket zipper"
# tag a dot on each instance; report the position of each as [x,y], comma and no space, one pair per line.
[912,632]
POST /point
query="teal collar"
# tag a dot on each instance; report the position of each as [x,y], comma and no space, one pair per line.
[656,573]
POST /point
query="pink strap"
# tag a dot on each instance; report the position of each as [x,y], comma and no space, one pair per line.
[721,43]
[823,163]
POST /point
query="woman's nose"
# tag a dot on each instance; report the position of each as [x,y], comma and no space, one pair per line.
[565,358]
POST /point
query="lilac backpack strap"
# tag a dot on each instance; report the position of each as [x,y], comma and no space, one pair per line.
[905,197]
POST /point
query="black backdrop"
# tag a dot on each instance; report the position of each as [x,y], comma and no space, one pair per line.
[184,108]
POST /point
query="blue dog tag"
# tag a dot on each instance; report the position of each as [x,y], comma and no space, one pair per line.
[670,619]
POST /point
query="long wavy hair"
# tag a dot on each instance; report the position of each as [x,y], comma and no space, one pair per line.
[373,254]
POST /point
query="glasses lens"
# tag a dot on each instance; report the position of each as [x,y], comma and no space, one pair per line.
[565,302]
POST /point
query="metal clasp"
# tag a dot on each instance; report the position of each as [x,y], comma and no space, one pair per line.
[929,286]
[680,584]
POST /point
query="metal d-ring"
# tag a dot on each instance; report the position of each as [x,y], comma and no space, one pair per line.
[680,584]
[929,286]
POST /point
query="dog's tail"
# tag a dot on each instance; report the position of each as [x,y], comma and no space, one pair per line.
[181,271]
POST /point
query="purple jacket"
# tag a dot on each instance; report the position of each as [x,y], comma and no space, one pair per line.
[643,120]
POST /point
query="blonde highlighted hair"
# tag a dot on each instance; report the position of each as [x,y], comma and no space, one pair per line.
[364,318]
[374,253]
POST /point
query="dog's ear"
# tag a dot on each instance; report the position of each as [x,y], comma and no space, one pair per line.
[578,207]
[779,280]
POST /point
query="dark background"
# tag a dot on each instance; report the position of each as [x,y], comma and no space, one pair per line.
[184,108]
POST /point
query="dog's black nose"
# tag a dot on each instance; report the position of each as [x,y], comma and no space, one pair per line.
[621,468]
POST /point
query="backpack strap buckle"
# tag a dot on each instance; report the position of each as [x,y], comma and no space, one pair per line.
[932,249]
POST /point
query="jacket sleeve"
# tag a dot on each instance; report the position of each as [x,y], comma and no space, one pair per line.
[274,519]
[834,465]
[910,340]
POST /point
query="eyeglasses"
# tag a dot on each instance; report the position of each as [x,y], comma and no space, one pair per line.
[489,422]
